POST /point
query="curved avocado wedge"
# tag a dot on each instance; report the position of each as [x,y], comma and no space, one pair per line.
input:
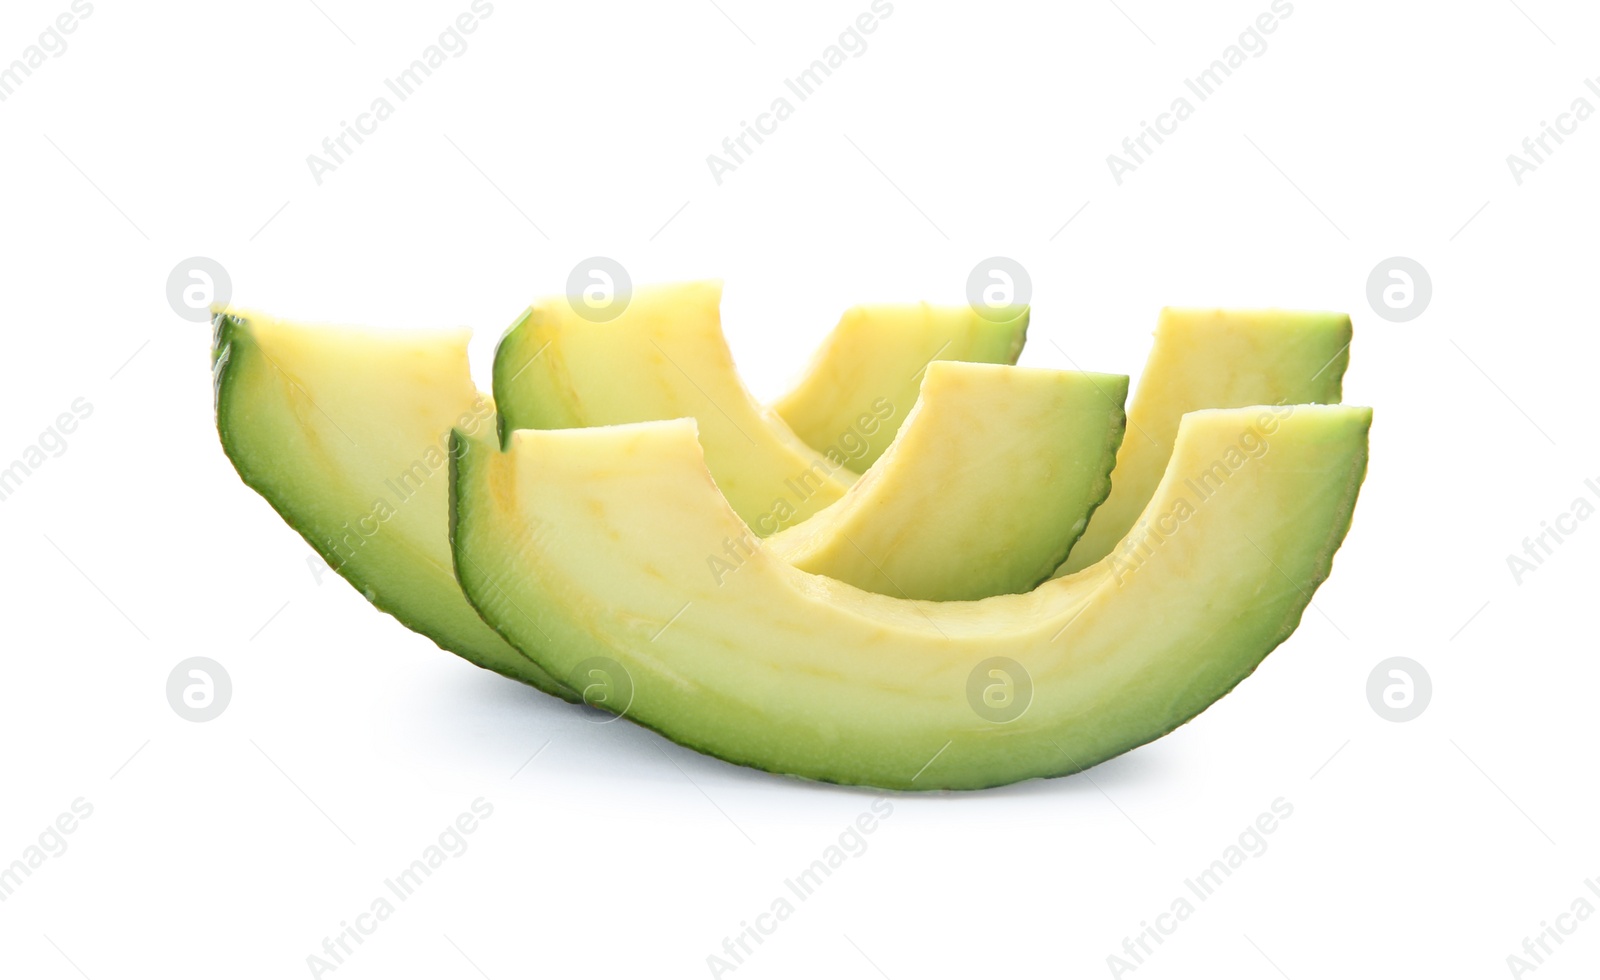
[663,357]
[345,432]
[985,488]
[864,378]
[587,549]
[1211,359]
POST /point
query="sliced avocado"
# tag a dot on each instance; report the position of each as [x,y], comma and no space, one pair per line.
[1211,359]
[796,673]
[986,486]
[345,432]
[663,357]
[863,380]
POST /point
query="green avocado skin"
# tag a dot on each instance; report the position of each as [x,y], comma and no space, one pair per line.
[240,374]
[667,698]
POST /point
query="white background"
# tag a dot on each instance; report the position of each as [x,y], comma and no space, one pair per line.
[232,848]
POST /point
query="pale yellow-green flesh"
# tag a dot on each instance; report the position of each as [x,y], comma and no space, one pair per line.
[1211,359]
[664,357]
[345,432]
[592,543]
[862,382]
[983,491]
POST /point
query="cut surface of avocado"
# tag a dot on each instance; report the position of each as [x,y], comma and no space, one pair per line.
[1203,359]
[986,486]
[587,549]
[863,381]
[345,432]
[663,357]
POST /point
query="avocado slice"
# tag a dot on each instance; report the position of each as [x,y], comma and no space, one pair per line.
[795,673]
[345,432]
[863,380]
[663,357]
[982,492]
[1207,358]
